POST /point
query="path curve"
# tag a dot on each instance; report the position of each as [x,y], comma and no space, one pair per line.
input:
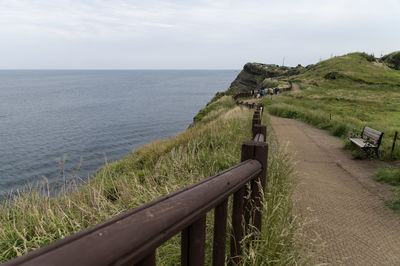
[295,88]
[346,220]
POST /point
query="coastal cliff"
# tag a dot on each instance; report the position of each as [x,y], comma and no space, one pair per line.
[262,76]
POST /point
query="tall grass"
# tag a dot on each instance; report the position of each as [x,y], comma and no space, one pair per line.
[344,112]
[392,177]
[33,217]
[277,243]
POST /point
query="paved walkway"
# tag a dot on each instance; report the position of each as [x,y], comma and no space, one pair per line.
[346,221]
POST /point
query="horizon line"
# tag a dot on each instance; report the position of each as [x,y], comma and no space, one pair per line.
[116,69]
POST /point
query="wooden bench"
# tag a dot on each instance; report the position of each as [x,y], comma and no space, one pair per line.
[370,140]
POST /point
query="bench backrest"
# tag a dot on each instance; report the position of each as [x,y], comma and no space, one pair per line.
[372,135]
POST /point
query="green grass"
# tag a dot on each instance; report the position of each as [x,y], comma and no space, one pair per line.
[392,177]
[363,93]
[216,105]
[32,218]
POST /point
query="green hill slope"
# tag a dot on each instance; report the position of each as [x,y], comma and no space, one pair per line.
[354,69]
[355,90]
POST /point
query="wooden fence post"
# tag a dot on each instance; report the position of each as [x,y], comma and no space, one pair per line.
[259,129]
[193,243]
[394,143]
[150,260]
[237,234]
[241,207]
[259,152]
[220,217]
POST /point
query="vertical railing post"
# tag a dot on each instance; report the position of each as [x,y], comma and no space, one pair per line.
[237,234]
[237,214]
[149,260]
[259,152]
[255,121]
[394,143]
[247,153]
[193,243]
[259,129]
[220,217]
[261,155]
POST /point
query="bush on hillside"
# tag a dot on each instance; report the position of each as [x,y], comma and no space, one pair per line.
[369,57]
[332,75]
[270,70]
[269,83]
[392,60]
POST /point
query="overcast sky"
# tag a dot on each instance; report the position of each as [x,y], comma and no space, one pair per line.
[217,34]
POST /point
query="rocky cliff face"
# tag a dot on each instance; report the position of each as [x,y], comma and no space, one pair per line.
[245,81]
[255,76]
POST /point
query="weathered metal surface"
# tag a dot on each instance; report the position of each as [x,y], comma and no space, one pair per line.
[128,238]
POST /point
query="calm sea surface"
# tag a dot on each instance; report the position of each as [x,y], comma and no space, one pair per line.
[83,114]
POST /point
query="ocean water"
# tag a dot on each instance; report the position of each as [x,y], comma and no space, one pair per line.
[85,115]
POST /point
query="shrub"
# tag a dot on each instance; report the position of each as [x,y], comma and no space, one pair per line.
[340,130]
[358,154]
[392,60]
[387,175]
[216,97]
[269,83]
[368,57]
[332,75]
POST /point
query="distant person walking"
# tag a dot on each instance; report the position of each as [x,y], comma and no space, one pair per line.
[276,90]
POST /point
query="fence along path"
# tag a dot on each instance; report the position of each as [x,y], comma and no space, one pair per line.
[133,237]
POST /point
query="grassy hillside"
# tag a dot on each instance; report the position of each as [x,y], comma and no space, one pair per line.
[353,89]
[344,94]
[212,144]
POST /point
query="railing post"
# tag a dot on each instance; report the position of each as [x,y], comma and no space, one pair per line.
[394,143]
[259,129]
[150,260]
[258,151]
[220,216]
[193,243]
[261,155]
[237,234]
[255,121]
[238,209]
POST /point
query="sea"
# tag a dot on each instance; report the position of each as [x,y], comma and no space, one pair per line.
[69,122]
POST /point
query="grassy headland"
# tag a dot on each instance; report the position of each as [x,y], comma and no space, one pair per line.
[342,95]
[210,145]
[354,90]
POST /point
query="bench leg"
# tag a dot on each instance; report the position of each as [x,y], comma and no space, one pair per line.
[377,153]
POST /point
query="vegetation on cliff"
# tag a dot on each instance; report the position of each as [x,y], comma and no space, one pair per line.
[260,76]
[34,218]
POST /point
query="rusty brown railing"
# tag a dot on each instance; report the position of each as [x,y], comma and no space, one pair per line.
[133,237]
